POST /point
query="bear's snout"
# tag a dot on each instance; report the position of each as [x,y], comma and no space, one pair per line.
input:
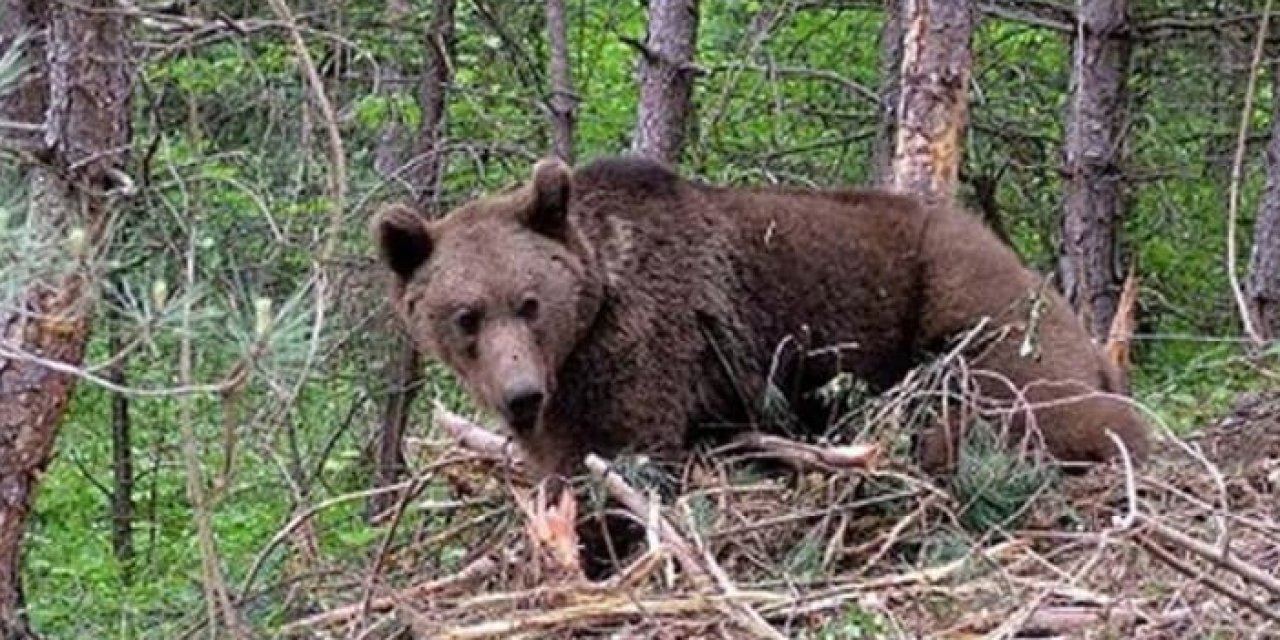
[521,405]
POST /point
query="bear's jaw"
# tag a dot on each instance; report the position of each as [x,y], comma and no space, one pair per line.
[522,427]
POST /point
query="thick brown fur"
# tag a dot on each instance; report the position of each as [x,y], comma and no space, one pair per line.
[641,309]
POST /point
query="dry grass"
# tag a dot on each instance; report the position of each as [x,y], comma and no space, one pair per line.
[854,543]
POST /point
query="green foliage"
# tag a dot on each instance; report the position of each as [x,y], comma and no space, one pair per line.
[993,485]
[232,161]
[851,623]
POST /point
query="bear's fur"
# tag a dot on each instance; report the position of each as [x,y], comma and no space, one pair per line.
[621,308]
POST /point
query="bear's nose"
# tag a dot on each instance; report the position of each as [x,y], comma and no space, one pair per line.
[522,407]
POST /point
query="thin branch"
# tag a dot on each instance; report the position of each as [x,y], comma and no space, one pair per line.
[215,587]
[337,155]
[482,568]
[79,372]
[1233,196]
[1208,581]
[683,551]
[1220,557]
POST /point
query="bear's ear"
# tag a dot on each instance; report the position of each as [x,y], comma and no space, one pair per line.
[402,238]
[550,198]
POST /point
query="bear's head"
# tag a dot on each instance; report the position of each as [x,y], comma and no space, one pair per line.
[500,290]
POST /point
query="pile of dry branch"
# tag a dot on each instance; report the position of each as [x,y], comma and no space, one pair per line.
[852,542]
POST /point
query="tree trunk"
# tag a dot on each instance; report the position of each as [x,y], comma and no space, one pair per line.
[121,457]
[404,368]
[86,87]
[564,102]
[389,152]
[1263,282]
[388,160]
[1233,44]
[1089,271]
[25,103]
[933,107]
[890,95]
[666,79]
[428,149]
[388,454]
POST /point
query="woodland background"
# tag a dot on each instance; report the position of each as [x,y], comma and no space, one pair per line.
[195,347]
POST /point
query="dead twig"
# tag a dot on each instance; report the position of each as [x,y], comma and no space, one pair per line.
[835,459]
[474,572]
[638,505]
[836,596]
[605,609]
[475,437]
[1212,583]
[1218,556]
[1233,188]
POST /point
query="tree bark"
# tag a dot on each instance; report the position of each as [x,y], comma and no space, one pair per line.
[1232,43]
[389,157]
[86,87]
[1089,272]
[121,457]
[428,149]
[890,93]
[404,368]
[564,102]
[25,103]
[666,79]
[933,107]
[389,152]
[1262,285]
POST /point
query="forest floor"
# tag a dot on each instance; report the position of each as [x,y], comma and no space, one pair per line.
[852,546]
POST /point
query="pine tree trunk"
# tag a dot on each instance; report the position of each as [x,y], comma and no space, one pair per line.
[666,79]
[121,456]
[404,368]
[1263,282]
[432,98]
[933,107]
[389,152]
[890,94]
[564,102]
[1089,272]
[86,87]
[26,101]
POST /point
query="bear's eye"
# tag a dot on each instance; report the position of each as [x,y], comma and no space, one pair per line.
[528,308]
[468,321]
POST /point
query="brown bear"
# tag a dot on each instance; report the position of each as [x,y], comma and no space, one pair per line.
[620,308]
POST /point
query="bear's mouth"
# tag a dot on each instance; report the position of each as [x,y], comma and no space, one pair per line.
[523,411]
[522,426]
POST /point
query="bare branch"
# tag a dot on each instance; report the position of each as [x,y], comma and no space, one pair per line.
[1233,194]
[337,155]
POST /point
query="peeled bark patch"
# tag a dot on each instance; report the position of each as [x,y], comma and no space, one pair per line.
[933,107]
[84,79]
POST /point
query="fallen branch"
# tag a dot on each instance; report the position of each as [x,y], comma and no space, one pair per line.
[477,438]
[638,505]
[1212,583]
[474,572]
[837,596]
[837,459]
[608,608]
[1220,557]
